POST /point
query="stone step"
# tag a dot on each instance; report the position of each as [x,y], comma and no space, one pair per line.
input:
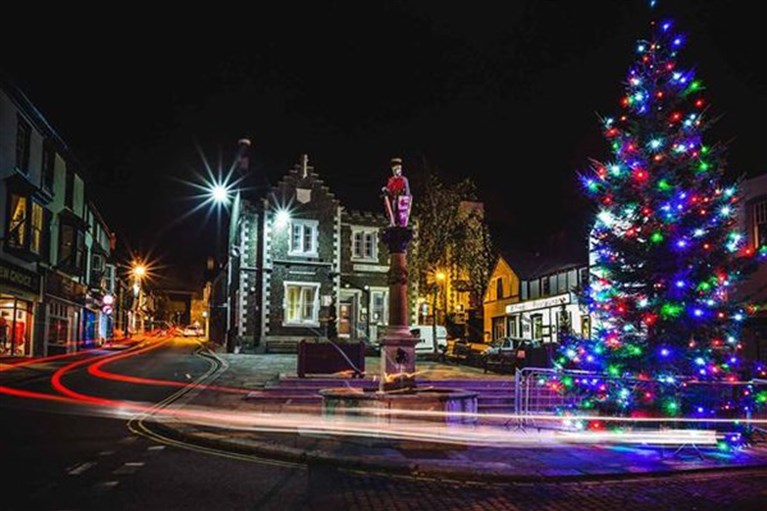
[366,382]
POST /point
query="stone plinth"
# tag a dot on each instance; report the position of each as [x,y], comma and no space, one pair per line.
[398,360]
[451,406]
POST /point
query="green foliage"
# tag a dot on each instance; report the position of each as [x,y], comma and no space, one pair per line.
[450,237]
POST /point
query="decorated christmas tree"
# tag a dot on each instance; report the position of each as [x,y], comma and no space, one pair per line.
[665,252]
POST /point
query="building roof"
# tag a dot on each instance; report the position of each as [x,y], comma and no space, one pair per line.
[528,265]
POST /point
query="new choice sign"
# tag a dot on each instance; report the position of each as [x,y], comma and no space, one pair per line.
[543,303]
[19,278]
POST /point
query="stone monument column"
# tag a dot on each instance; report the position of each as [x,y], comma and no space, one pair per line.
[397,344]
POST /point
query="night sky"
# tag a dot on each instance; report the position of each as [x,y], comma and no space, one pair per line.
[507,96]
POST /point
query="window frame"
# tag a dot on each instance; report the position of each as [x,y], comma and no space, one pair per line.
[384,294]
[23,143]
[359,248]
[313,227]
[303,320]
[28,231]
[48,167]
[36,232]
[78,248]
[759,212]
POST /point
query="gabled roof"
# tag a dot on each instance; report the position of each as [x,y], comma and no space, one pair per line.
[528,265]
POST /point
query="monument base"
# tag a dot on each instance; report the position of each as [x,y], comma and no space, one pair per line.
[398,360]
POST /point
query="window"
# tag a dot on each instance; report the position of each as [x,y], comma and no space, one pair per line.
[525,293]
[534,288]
[301,303]
[583,275]
[511,326]
[564,321]
[97,263]
[537,321]
[17,225]
[23,133]
[378,304]
[499,288]
[498,328]
[586,326]
[71,248]
[759,212]
[25,227]
[49,160]
[69,190]
[364,244]
[36,231]
[545,287]
[303,238]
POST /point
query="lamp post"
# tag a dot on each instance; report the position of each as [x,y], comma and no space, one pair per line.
[138,271]
[439,277]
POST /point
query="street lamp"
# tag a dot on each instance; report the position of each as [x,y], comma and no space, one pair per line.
[439,276]
[219,193]
[442,279]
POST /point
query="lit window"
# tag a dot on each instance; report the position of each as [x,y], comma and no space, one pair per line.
[36,238]
[17,228]
[302,303]
[364,243]
[303,238]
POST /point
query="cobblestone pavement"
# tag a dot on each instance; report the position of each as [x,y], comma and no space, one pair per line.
[739,490]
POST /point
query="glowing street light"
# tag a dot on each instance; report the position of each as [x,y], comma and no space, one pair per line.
[219,193]
[139,271]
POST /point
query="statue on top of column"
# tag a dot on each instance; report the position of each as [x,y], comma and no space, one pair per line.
[397,198]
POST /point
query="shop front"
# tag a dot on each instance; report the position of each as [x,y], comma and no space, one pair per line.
[65,301]
[19,292]
[544,318]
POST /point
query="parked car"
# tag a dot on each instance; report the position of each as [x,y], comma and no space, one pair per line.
[509,353]
[192,331]
[426,335]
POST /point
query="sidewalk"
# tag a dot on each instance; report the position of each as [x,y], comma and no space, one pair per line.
[538,456]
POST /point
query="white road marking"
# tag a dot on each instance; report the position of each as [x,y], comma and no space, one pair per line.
[79,469]
[106,485]
[156,448]
[106,453]
[129,468]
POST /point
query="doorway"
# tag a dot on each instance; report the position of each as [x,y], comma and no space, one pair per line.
[346,317]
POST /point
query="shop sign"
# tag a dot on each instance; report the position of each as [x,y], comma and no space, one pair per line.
[19,278]
[64,288]
[554,301]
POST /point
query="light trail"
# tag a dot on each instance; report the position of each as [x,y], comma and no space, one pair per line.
[392,424]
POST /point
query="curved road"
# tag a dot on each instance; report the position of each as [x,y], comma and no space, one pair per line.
[68,440]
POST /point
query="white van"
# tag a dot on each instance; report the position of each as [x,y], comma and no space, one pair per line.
[426,334]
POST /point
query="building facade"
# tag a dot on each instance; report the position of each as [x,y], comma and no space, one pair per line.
[299,266]
[753,290]
[49,235]
[536,297]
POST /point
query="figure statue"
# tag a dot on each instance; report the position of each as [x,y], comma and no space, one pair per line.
[397,198]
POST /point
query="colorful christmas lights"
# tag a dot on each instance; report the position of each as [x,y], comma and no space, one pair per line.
[666,252]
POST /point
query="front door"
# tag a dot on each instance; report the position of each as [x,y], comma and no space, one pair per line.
[346,318]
